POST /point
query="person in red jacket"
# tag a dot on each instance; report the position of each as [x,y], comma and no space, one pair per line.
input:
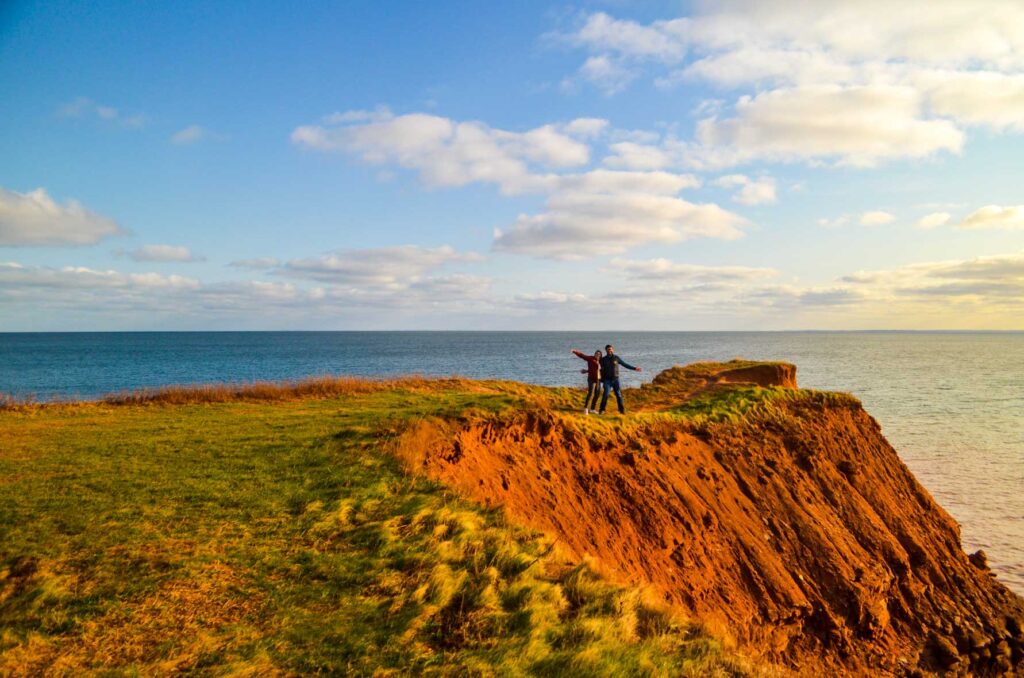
[593,378]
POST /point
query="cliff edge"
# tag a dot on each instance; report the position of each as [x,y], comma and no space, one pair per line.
[779,516]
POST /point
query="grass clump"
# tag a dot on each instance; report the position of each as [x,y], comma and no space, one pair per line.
[268,532]
[729,403]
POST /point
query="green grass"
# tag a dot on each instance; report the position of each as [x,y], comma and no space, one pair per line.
[734,402]
[253,537]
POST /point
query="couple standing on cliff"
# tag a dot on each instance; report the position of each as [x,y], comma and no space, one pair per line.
[603,376]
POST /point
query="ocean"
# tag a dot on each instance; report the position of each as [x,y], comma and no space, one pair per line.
[952,403]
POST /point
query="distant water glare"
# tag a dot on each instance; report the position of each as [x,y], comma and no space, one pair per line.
[951,403]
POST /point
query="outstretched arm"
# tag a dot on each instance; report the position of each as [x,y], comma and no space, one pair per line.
[627,365]
[580,354]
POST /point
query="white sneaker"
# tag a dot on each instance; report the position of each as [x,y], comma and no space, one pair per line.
[586,410]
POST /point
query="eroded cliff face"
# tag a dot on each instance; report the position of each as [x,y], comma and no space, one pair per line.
[794,528]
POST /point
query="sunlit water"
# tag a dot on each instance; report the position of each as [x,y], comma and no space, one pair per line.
[951,403]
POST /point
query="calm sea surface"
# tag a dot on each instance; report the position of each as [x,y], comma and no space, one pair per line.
[951,403]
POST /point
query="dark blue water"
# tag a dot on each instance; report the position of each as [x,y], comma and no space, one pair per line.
[951,403]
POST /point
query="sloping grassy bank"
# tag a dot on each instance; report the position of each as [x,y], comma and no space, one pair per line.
[269,532]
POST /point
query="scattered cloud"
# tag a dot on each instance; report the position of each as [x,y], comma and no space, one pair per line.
[994,282]
[447,153]
[631,155]
[666,270]
[389,267]
[754,63]
[859,126]
[933,220]
[995,217]
[586,128]
[547,300]
[978,98]
[35,219]
[758,191]
[609,181]
[609,76]
[379,114]
[661,40]
[258,264]
[84,107]
[836,222]
[16,278]
[578,225]
[178,253]
[876,218]
[600,211]
[814,84]
[193,134]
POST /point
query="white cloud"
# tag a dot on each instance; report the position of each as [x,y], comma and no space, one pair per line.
[837,222]
[869,218]
[587,213]
[193,134]
[177,253]
[608,181]
[634,156]
[607,74]
[580,225]
[983,98]
[389,267]
[997,281]
[344,117]
[15,277]
[985,292]
[35,219]
[851,125]
[86,291]
[84,107]
[758,191]
[662,40]
[951,32]
[947,33]
[855,83]
[995,217]
[876,218]
[258,263]
[665,270]
[606,212]
[586,128]
[933,220]
[756,64]
[448,153]
[440,290]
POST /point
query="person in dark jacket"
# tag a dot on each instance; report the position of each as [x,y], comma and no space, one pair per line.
[593,372]
[610,377]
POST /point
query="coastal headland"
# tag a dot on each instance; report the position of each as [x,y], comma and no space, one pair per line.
[730,524]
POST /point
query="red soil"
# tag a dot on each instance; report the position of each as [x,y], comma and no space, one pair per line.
[796,530]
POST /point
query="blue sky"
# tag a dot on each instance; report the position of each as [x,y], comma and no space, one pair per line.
[518,166]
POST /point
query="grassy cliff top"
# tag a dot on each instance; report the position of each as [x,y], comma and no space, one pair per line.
[266,529]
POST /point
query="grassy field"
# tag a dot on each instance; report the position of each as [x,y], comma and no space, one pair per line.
[270,532]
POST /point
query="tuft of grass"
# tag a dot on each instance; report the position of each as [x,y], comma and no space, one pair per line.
[731,403]
[728,404]
[267,530]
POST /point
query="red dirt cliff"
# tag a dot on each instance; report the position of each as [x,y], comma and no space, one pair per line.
[793,527]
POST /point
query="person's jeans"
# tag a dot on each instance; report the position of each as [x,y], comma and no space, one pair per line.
[593,391]
[609,385]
